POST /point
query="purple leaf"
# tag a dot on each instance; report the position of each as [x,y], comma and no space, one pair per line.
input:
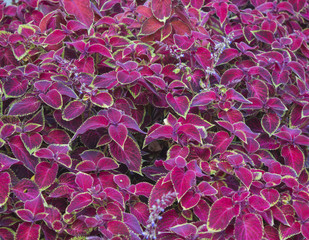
[118,133]
[161,9]
[79,202]
[72,110]
[32,141]
[264,36]
[221,213]
[293,157]
[52,98]
[203,98]
[184,230]
[248,227]
[80,9]
[270,123]
[103,100]
[180,104]
[258,203]
[45,174]
[5,182]
[182,181]
[130,155]
[28,231]
[24,106]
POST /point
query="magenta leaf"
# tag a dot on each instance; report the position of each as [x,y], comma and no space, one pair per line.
[160,189]
[203,98]
[190,200]
[55,37]
[231,76]
[24,106]
[180,104]
[264,36]
[221,141]
[245,175]
[26,190]
[91,123]
[80,9]
[293,157]
[302,210]
[79,202]
[5,182]
[201,210]
[118,133]
[270,195]
[221,10]
[52,98]
[15,87]
[298,69]
[28,231]
[161,9]
[130,154]
[6,161]
[84,181]
[221,213]
[227,55]
[206,189]
[151,25]
[182,181]
[270,123]
[184,230]
[72,110]
[248,227]
[45,174]
[258,203]
[297,4]
[32,141]
[103,100]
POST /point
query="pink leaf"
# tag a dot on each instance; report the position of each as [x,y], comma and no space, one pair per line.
[32,141]
[103,100]
[118,133]
[161,9]
[52,98]
[258,203]
[221,213]
[270,123]
[293,157]
[80,9]
[24,106]
[245,175]
[72,110]
[203,98]
[222,10]
[45,174]
[182,181]
[28,231]
[55,37]
[151,25]
[180,104]
[5,182]
[248,227]
[264,36]
[79,202]
[184,230]
[130,154]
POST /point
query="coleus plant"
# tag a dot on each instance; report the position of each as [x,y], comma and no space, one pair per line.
[161,119]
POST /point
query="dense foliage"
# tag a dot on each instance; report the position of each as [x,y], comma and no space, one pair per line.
[164,119]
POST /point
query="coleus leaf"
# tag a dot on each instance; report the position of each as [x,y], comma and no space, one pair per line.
[248,226]
[6,161]
[130,154]
[55,37]
[161,9]
[5,182]
[52,98]
[258,203]
[80,9]
[45,174]
[221,10]
[91,123]
[180,104]
[79,202]
[72,110]
[182,181]
[24,106]
[103,100]
[270,123]
[25,190]
[151,25]
[293,157]
[221,213]
[264,36]
[184,230]
[118,133]
[28,231]
[203,98]
[84,181]
[15,87]
[162,189]
[32,141]
[221,141]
